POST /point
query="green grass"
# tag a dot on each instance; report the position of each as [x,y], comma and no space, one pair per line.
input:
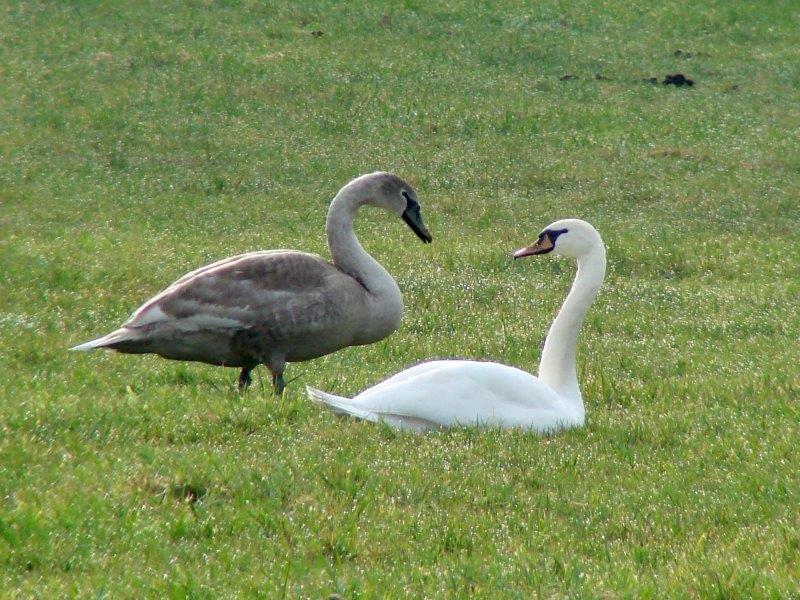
[141,140]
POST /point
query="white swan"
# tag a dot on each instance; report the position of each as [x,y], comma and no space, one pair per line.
[446,393]
[279,306]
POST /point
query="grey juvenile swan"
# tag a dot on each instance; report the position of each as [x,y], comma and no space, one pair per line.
[277,306]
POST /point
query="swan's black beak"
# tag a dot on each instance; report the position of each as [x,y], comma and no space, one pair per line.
[413,219]
[541,246]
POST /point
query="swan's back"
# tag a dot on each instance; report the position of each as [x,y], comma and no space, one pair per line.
[244,309]
[468,393]
[246,287]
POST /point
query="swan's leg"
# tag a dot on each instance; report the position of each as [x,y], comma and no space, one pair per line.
[277,365]
[277,381]
[244,379]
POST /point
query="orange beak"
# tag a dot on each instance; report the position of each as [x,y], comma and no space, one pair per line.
[540,246]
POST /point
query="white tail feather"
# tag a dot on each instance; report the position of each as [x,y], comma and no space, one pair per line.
[338,404]
[114,336]
[344,407]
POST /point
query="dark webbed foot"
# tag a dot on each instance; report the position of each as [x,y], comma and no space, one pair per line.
[245,380]
[277,381]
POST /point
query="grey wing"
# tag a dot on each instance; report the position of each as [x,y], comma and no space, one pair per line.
[221,263]
[281,290]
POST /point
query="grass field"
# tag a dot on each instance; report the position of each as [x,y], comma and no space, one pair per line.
[141,140]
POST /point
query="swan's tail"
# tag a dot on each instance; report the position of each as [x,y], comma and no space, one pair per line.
[344,407]
[339,405]
[107,341]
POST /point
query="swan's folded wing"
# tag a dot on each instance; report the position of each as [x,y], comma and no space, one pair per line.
[441,396]
[221,263]
[244,291]
[408,373]
[465,393]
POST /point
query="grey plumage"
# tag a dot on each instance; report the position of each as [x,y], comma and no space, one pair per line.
[278,306]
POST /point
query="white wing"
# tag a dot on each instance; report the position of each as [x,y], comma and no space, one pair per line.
[466,393]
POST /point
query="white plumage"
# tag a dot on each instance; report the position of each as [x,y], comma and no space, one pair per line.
[448,393]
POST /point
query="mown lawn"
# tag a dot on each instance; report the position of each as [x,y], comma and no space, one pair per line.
[140,140]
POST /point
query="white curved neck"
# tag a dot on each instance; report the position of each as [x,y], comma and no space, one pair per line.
[346,251]
[557,366]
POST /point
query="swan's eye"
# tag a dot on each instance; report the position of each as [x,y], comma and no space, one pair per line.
[410,202]
[554,233]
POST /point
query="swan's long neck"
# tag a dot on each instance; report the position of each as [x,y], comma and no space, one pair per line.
[557,367]
[349,256]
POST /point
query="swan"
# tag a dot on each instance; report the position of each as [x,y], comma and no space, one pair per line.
[447,393]
[278,306]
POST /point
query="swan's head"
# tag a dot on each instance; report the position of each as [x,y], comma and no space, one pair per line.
[392,193]
[568,237]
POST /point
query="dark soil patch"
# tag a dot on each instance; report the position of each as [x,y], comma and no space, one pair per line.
[679,80]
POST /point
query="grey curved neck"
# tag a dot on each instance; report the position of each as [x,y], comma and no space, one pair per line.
[348,254]
[557,367]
